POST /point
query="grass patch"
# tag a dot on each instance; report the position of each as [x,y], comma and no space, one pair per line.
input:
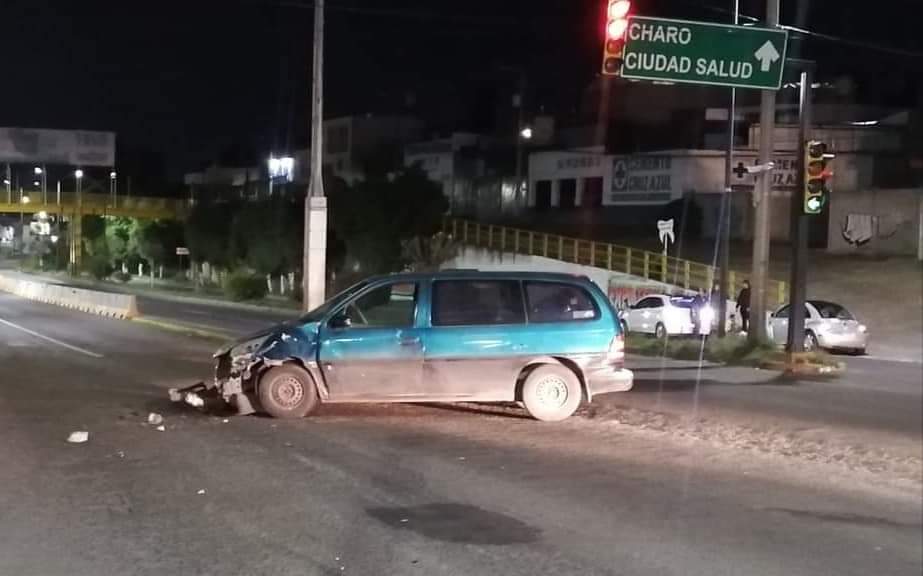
[732,350]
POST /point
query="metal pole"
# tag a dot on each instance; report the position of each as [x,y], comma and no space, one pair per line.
[799,226]
[44,185]
[519,137]
[763,203]
[725,224]
[314,258]
[9,185]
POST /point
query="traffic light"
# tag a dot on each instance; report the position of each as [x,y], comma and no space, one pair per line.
[616,26]
[817,174]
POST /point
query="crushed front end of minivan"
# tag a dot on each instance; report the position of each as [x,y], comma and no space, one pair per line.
[239,365]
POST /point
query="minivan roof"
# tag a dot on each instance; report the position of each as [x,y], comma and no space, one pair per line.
[496,274]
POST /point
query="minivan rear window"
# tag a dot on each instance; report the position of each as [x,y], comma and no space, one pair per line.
[477,302]
[557,302]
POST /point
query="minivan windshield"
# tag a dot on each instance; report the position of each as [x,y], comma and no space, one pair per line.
[318,313]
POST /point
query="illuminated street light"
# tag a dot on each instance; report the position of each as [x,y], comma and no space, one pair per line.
[526,133]
[54,238]
[37,170]
[112,175]
[78,173]
[36,183]
[25,199]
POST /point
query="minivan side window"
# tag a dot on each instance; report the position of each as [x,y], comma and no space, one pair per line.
[557,302]
[477,302]
[389,306]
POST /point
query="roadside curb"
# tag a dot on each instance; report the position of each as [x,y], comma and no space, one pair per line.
[164,295]
[187,329]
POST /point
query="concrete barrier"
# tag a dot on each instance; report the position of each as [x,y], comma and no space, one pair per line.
[108,304]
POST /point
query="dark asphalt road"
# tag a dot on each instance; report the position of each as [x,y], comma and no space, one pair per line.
[216,317]
[382,489]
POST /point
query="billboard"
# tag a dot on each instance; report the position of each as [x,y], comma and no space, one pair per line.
[70,147]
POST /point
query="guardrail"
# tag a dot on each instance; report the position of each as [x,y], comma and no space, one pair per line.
[114,305]
[687,274]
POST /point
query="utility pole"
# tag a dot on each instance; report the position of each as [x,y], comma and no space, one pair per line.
[314,261]
[725,224]
[763,203]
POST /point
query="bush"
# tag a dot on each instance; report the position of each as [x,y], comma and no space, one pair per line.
[123,277]
[732,349]
[99,267]
[245,285]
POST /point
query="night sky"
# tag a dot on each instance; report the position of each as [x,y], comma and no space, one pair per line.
[186,82]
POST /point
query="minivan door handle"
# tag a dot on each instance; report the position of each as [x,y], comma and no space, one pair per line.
[409,340]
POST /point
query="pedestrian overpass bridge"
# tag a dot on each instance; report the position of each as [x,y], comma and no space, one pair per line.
[98,204]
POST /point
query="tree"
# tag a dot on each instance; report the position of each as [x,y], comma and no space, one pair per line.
[374,216]
[94,235]
[266,236]
[156,240]
[427,254]
[120,238]
[208,231]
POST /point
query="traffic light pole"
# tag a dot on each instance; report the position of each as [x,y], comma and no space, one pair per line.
[725,224]
[799,224]
[762,203]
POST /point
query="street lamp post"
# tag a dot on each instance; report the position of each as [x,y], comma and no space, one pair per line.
[8,182]
[113,188]
[23,200]
[77,225]
[524,135]
[40,171]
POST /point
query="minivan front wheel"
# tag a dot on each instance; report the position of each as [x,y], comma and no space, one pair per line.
[551,393]
[287,392]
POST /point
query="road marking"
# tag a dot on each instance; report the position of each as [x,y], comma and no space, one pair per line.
[50,339]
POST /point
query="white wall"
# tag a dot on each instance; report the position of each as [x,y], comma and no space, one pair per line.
[875,221]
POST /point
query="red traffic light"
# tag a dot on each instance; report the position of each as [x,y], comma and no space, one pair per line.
[618,9]
[617,14]
[616,28]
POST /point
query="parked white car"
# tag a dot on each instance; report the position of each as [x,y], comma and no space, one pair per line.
[660,315]
[826,325]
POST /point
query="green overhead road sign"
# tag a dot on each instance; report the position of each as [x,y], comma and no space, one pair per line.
[703,53]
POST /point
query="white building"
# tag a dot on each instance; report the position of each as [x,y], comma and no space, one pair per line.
[590,179]
[451,162]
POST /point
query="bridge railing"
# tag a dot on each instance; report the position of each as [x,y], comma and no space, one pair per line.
[687,274]
[139,206]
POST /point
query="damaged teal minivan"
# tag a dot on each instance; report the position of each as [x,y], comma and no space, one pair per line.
[547,341]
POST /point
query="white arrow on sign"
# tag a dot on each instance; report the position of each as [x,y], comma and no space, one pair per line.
[767,54]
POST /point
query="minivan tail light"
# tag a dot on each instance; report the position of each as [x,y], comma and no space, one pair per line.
[616,353]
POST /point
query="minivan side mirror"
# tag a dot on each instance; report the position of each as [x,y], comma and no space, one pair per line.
[340,321]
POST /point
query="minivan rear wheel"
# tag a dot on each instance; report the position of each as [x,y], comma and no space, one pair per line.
[551,393]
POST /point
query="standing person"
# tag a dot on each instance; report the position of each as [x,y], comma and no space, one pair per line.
[743,305]
[698,304]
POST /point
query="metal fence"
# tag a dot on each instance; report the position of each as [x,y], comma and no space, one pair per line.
[650,265]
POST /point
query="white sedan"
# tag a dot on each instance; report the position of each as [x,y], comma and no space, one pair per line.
[661,315]
[826,325]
